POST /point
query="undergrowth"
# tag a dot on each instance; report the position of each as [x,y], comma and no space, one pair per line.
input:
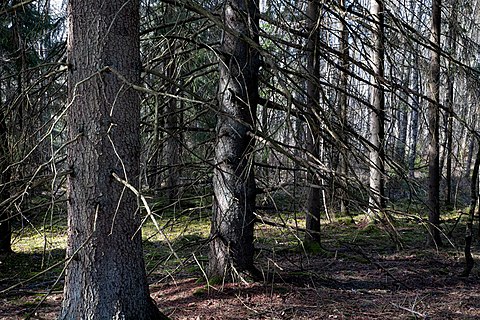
[180,247]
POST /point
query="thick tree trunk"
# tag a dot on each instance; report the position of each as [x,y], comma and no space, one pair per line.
[231,248]
[105,277]
[377,114]
[312,219]
[433,129]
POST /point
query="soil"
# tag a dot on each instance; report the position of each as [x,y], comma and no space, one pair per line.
[353,284]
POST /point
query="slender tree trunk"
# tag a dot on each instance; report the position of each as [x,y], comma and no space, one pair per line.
[231,248]
[402,123]
[105,276]
[433,128]
[377,114]
[343,105]
[172,146]
[20,64]
[312,218]
[155,174]
[467,146]
[415,101]
[5,218]
[452,41]
[414,121]
[468,165]
[449,142]
[313,97]
[20,109]
[469,262]
[266,153]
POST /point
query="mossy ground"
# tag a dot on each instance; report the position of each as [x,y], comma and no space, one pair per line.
[355,254]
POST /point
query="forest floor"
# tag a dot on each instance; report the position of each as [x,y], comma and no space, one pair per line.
[357,274]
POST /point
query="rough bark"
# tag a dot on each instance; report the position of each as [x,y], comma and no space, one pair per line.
[312,219]
[377,114]
[433,128]
[231,248]
[105,276]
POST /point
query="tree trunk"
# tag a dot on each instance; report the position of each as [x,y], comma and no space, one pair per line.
[20,112]
[414,121]
[415,106]
[231,248]
[343,105]
[5,222]
[377,114]
[312,220]
[402,124]
[105,276]
[468,165]
[452,44]
[469,262]
[433,129]
[172,146]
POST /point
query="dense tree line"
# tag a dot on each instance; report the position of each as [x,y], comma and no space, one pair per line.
[237,108]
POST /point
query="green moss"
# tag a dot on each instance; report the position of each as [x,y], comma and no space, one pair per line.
[200,280]
[200,292]
[312,247]
[216,280]
[348,220]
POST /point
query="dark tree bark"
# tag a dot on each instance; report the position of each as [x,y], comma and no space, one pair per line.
[231,248]
[5,218]
[377,115]
[312,219]
[105,276]
[469,261]
[433,129]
